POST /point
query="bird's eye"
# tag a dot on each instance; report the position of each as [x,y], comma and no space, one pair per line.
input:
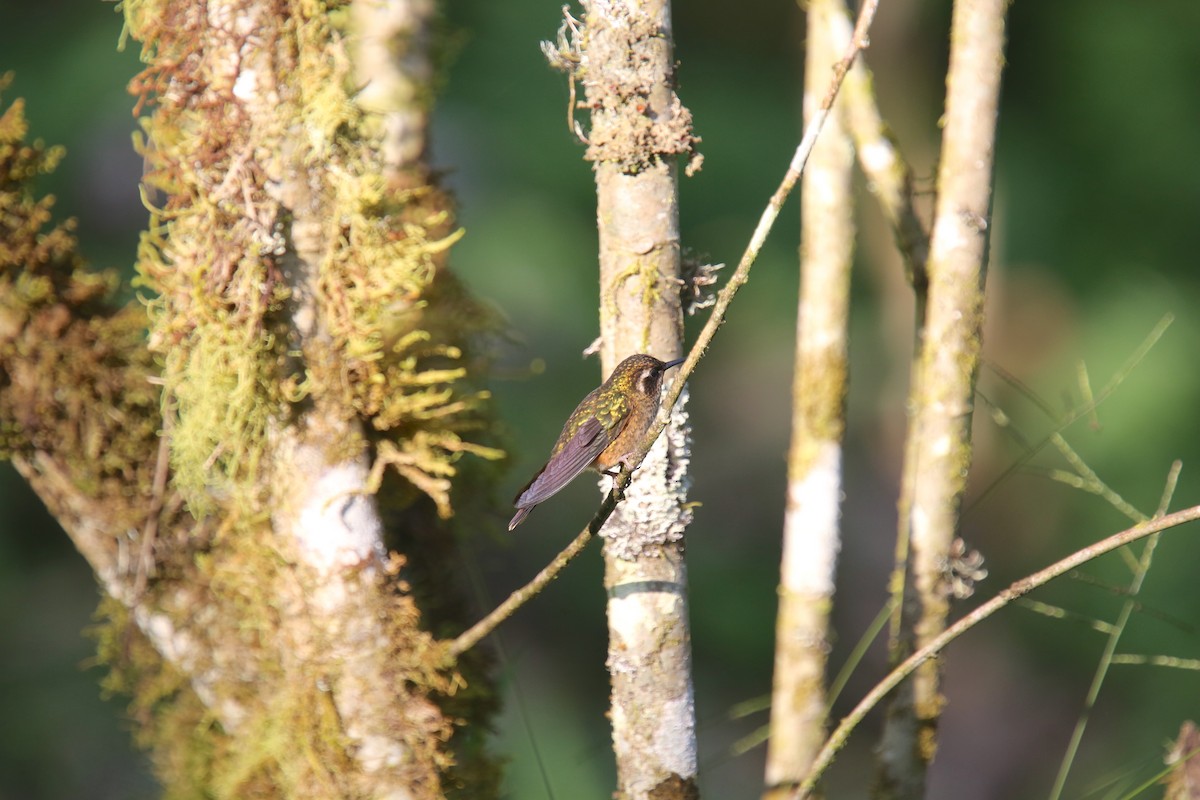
[645,381]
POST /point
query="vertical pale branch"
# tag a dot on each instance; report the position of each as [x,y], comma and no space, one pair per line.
[811,535]
[393,64]
[939,452]
[888,175]
[638,130]
[890,179]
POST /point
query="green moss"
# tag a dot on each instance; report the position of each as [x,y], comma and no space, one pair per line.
[74,373]
[168,718]
[396,340]
[397,352]
[289,740]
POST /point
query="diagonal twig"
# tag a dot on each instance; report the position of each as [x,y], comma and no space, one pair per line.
[858,43]
[1114,638]
[1018,589]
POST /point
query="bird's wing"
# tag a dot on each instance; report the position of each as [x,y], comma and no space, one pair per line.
[576,455]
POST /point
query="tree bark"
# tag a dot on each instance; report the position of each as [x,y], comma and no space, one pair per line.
[638,129]
[938,455]
[309,337]
[811,534]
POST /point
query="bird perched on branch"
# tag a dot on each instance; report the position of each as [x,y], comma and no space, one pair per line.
[602,432]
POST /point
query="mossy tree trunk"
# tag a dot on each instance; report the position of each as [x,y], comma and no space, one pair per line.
[304,337]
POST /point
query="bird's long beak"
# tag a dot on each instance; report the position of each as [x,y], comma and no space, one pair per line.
[674,363]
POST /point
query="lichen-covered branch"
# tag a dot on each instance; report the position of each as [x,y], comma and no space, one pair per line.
[622,53]
[811,534]
[938,454]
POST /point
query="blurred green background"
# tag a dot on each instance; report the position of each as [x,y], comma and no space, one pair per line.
[1095,236]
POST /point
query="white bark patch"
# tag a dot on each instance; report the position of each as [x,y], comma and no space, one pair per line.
[180,648]
[811,525]
[635,616]
[246,85]
[675,737]
[921,527]
[657,691]
[655,502]
[949,236]
[336,524]
[878,155]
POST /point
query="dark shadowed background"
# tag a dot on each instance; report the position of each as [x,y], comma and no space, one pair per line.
[1095,238]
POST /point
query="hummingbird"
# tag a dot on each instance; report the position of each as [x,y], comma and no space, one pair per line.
[602,432]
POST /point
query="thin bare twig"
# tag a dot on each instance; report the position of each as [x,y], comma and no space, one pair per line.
[1173,662]
[154,514]
[1086,409]
[1018,589]
[858,43]
[1085,478]
[520,597]
[1114,637]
